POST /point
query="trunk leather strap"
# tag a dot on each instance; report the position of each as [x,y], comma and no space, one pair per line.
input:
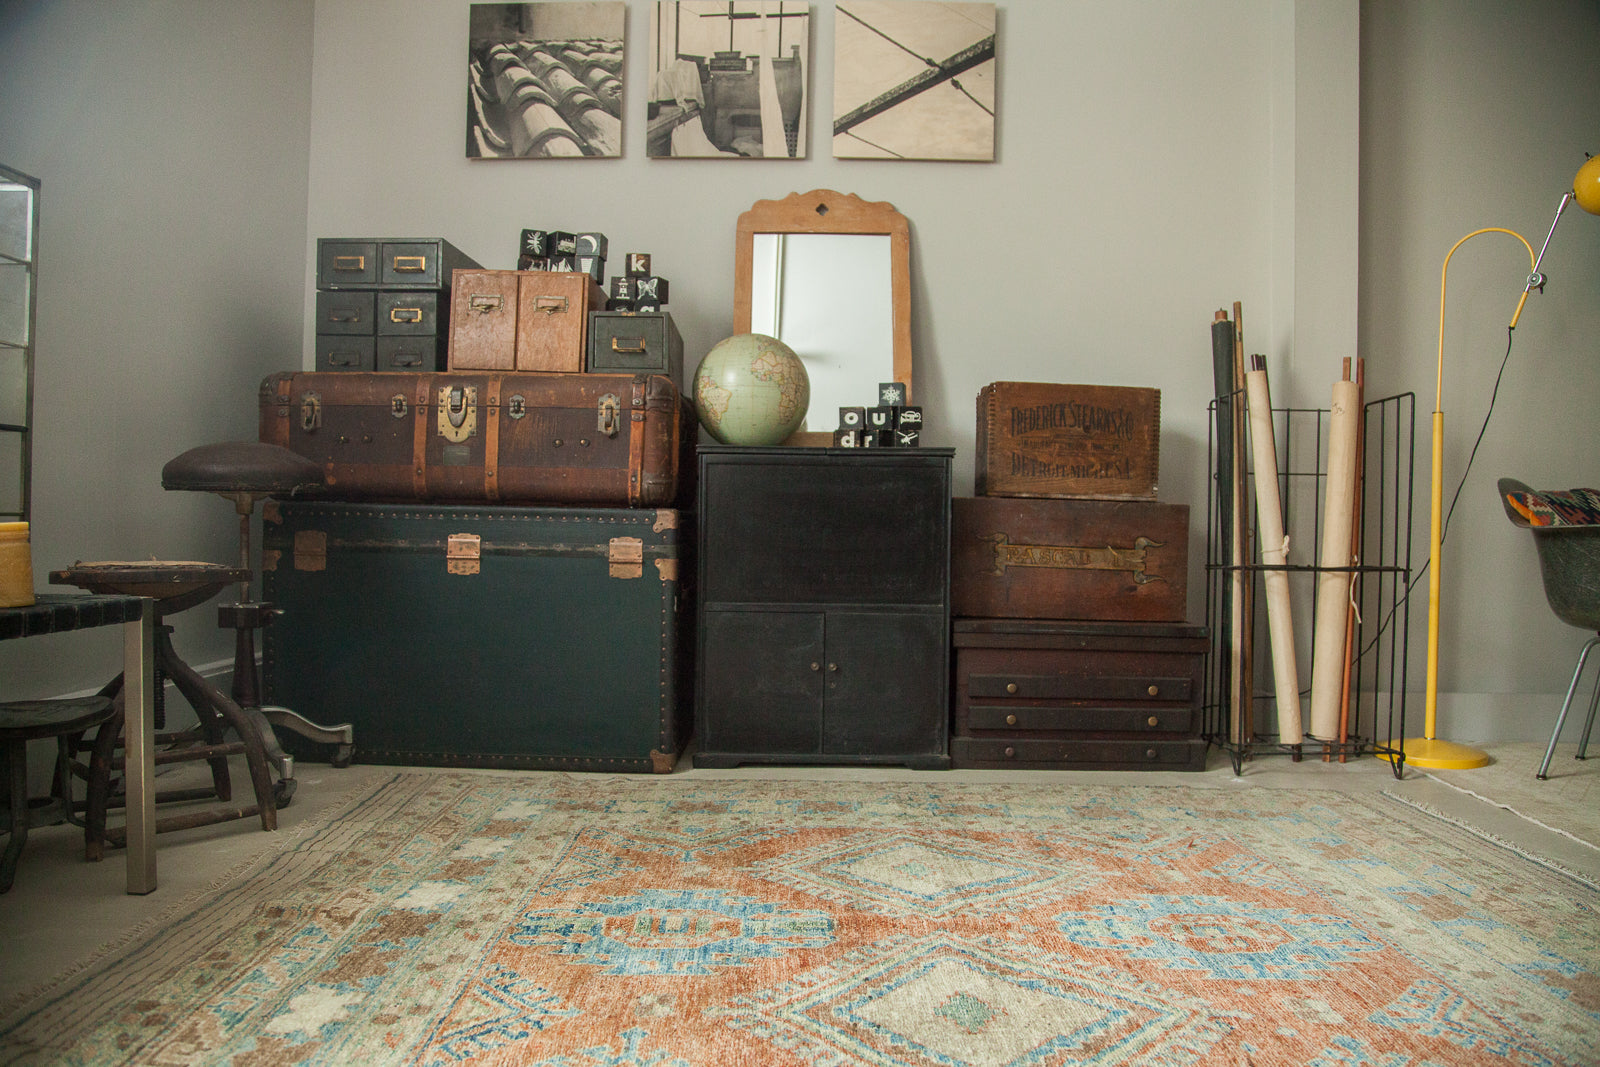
[491,439]
[419,438]
[636,427]
[280,425]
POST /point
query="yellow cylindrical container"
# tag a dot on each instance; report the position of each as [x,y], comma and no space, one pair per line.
[16,566]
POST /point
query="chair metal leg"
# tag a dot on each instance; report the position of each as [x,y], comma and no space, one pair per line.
[1588,722]
[1566,706]
[342,735]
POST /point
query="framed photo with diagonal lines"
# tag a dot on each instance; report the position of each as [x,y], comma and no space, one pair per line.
[914,79]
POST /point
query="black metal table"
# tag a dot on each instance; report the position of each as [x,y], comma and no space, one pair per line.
[60,613]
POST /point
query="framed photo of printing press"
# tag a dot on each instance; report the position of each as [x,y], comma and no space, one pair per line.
[544,80]
[914,79]
[728,79]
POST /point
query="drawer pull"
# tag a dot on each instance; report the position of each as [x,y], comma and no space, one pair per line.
[405,314]
[483,303]
[1149,753]
[1152,721]
[349,262]
[1011,687]
[1011,720]
[1154,690]
[409,264]
[1010,751]
[632,346]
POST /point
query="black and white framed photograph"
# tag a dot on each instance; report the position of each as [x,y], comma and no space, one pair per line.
[914,79]
[728,79]
[544,80]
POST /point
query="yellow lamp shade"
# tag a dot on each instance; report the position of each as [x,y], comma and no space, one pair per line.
[1586,186]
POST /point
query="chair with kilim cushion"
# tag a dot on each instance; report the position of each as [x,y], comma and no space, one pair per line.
[1566,533]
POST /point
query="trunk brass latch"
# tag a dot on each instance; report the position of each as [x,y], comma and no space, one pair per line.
[626,557]
[462,553]
[610,414]
[311,412]
[398,406]
[458,412]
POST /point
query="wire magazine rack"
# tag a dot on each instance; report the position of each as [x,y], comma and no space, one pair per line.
[1376,643]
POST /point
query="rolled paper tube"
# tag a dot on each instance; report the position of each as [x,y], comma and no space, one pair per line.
[1333,586]
[1269,518]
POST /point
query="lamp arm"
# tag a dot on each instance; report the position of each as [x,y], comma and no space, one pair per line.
[1535,279]
[1444,278]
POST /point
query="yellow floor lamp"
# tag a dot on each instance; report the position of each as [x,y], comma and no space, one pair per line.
[1429,751]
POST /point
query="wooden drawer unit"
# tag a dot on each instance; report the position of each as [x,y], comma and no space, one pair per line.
[1078,695]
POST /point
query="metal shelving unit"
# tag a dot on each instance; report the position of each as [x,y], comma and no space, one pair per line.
[1377,649]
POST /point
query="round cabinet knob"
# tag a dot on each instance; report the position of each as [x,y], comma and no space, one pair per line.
[1152,721]
[833,667]
[1010,751]
[1154,690]
[1149,753]
[816,666]
[1011,687]
[1011,720]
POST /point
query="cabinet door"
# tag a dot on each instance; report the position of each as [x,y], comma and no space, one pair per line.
[761,682]
[885,689]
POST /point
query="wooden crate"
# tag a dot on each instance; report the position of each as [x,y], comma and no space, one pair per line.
[1087,442]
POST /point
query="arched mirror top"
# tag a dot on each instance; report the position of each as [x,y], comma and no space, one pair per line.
[845,370]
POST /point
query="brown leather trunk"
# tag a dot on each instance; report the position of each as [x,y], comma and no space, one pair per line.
[1025,558]
[618,440]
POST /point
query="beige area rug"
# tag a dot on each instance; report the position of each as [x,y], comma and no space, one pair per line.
[581,921]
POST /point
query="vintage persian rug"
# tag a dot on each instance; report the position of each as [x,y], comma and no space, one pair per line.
[581,921]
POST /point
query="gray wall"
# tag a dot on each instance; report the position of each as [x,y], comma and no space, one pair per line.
[1157,161]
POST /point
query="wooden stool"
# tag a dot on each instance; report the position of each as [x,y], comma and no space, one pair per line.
[31,720]
[176,586]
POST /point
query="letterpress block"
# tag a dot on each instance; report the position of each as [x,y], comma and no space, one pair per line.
[883,438]
[867,439]
[535,243]
[562,244]
[882,418]
[846,438]
[532,263]
[908,436]
[590,244]
[892,394]
[638,264]
[651,289]
[593,266]
[852,418]
[565,264]
[909,419]
[642,305]
[622,289]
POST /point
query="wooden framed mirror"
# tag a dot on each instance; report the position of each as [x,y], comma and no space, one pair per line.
[829,275]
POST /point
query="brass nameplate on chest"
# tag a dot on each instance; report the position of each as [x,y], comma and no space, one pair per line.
[1076,557]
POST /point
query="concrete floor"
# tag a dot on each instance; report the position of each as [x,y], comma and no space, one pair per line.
[62,911]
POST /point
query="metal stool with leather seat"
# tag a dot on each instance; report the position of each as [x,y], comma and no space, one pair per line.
[245,472]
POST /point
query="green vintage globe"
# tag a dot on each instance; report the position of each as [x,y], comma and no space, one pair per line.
[751,389]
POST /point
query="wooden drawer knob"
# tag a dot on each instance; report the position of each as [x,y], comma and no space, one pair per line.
[1152,721]
[1154,690]
[1011,687]
[1011,720]
[1149,753]
[1010,751]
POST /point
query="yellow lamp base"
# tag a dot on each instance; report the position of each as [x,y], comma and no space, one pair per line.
[1430,753]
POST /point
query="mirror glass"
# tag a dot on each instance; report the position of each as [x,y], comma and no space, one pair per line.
[828,274]
[827,296]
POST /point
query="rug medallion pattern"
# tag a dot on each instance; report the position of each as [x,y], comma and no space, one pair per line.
[578,921]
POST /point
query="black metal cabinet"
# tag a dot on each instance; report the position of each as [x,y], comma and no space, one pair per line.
[824,606]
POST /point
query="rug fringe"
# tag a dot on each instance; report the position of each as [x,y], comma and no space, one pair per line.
[1494,839]
[1519,814]
[338,808]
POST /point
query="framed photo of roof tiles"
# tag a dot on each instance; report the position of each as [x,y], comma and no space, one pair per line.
[728,79]
[544,80]
[914,79]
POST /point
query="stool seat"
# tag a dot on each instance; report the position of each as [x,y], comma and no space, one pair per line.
[242,467]
[173,584]
[22,721]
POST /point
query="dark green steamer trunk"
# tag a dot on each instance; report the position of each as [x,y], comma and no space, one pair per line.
[556,647]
